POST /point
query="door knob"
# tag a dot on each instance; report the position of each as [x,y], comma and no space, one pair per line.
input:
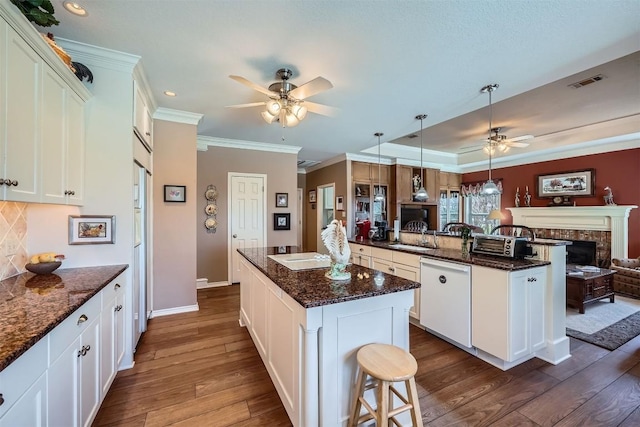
[235,235]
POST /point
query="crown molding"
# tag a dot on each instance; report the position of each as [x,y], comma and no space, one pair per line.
[100,56]
[177,116]
[209,141]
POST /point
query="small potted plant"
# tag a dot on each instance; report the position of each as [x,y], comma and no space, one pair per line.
[465,233]
[40,12]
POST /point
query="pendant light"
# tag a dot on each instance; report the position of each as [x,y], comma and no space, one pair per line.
[379,197]
[490,188]
[421,195]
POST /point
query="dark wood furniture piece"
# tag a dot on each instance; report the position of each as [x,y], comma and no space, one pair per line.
[588,287]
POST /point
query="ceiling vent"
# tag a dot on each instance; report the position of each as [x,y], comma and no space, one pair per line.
[588,81]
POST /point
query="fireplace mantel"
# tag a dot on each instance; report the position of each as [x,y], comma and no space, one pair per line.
[601,218]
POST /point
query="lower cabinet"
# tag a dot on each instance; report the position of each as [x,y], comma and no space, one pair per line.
[507,311]
[62,380]
[360,255]
[399,264]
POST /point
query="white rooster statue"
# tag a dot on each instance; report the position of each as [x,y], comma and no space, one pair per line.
[334,238]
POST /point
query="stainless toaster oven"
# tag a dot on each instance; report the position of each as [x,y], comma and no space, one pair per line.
[504,246]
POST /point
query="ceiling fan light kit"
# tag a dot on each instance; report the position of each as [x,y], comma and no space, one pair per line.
[490,188]
[421,195]
[286,102]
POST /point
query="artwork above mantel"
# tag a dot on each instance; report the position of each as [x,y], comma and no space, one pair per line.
[604,218]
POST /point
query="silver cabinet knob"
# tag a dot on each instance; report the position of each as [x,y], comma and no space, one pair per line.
[235,235]
[83,318]
[116,286]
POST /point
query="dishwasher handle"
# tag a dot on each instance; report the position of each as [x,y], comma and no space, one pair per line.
[452,266]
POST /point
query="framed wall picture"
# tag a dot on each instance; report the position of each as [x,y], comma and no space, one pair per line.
[572,183]
[175,193]
[92,229]
[312,196]
[282,221]
[282,200]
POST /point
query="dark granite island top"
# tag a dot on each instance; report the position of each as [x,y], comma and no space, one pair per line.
[31,305]
[499,263]
[310,288]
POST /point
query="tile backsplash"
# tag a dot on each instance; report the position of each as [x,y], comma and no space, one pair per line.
[13,238]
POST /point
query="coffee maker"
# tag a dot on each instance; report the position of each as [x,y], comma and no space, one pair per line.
[381,230]
[362,229]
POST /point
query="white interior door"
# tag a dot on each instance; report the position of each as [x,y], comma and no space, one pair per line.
[247,208]
[300,215]
[326,213]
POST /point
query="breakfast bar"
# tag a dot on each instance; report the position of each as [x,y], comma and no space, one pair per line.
[307,327]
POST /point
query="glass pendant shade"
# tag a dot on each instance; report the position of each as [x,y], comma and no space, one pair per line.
[273,107]
[269,118]
[490,188]
[421,195]
[379,197]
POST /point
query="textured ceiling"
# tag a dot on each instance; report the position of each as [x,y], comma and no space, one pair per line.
[387,60]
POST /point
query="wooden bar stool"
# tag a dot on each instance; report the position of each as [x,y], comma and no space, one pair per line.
[385,364]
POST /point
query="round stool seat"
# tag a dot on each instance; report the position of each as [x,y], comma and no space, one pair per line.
[387,362]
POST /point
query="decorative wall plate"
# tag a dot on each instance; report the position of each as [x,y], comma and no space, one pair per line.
[211,193]
[210,223]
[211,209]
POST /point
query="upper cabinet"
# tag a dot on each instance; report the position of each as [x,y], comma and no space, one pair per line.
[42,148]
[450,180]
[368,172]
[142,122]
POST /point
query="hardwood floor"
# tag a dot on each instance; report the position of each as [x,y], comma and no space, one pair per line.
[202,369]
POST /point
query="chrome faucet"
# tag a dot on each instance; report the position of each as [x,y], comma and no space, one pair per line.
[425,242]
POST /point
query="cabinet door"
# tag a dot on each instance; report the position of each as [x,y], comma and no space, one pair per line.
[404,184]
[362,260]
[53,147]
[384,174]
[536,281]
[22,120]
[119,328]
[432,184]
[413,274]
[31,409]
[383,265]
[108,364]
[519,339]
[63,390]
[141,116]
[75,143]
[90,373]
[360,171]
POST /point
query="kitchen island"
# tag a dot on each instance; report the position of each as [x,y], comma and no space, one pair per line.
[307,329]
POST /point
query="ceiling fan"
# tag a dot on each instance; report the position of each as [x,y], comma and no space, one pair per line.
[499,142]
[287,102]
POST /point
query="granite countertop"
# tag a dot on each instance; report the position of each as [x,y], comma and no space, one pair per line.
[32,305]
[310,288]
[455,255]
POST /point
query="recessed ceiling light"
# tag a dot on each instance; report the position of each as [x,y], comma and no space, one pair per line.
[75,8]
[169,93]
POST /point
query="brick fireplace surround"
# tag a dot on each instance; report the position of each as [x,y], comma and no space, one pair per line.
[607,225]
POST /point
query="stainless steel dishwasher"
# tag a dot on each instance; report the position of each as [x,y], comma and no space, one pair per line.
[445,299]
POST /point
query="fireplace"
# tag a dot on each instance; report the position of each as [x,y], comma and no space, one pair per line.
[607,225]
[583,252]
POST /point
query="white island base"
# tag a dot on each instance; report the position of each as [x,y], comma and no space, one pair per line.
[310,353]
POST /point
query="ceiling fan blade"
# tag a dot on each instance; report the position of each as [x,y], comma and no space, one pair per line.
[253,104]
[253,85]
[324,110]
[517,144]
[317,85]
[520,138]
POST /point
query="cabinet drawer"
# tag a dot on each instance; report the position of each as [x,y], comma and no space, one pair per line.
[112,290]
[406,259]
[16,378]
[385,254]
[599,291]
[360,249]
[67,331]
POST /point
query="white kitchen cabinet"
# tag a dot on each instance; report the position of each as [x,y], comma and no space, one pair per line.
[62,144]
[360,255]
[23,388]
[19,142]
[399,264]
[142,121]
[508,311]
[111,333]
[74,392]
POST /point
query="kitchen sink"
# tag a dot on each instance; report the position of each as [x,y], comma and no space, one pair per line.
[410,247]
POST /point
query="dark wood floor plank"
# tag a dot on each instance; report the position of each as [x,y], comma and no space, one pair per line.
[557,403]
[201,368]
[609,407]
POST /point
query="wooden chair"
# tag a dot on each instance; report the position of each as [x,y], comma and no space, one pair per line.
[514,230]
[385,364]
[455,227]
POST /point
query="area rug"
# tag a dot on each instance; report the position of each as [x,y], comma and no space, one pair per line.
[604,324]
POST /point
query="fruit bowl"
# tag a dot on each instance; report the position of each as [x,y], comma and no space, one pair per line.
[43,267]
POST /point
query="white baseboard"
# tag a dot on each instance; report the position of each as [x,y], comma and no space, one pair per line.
[204,284]
[174,310]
